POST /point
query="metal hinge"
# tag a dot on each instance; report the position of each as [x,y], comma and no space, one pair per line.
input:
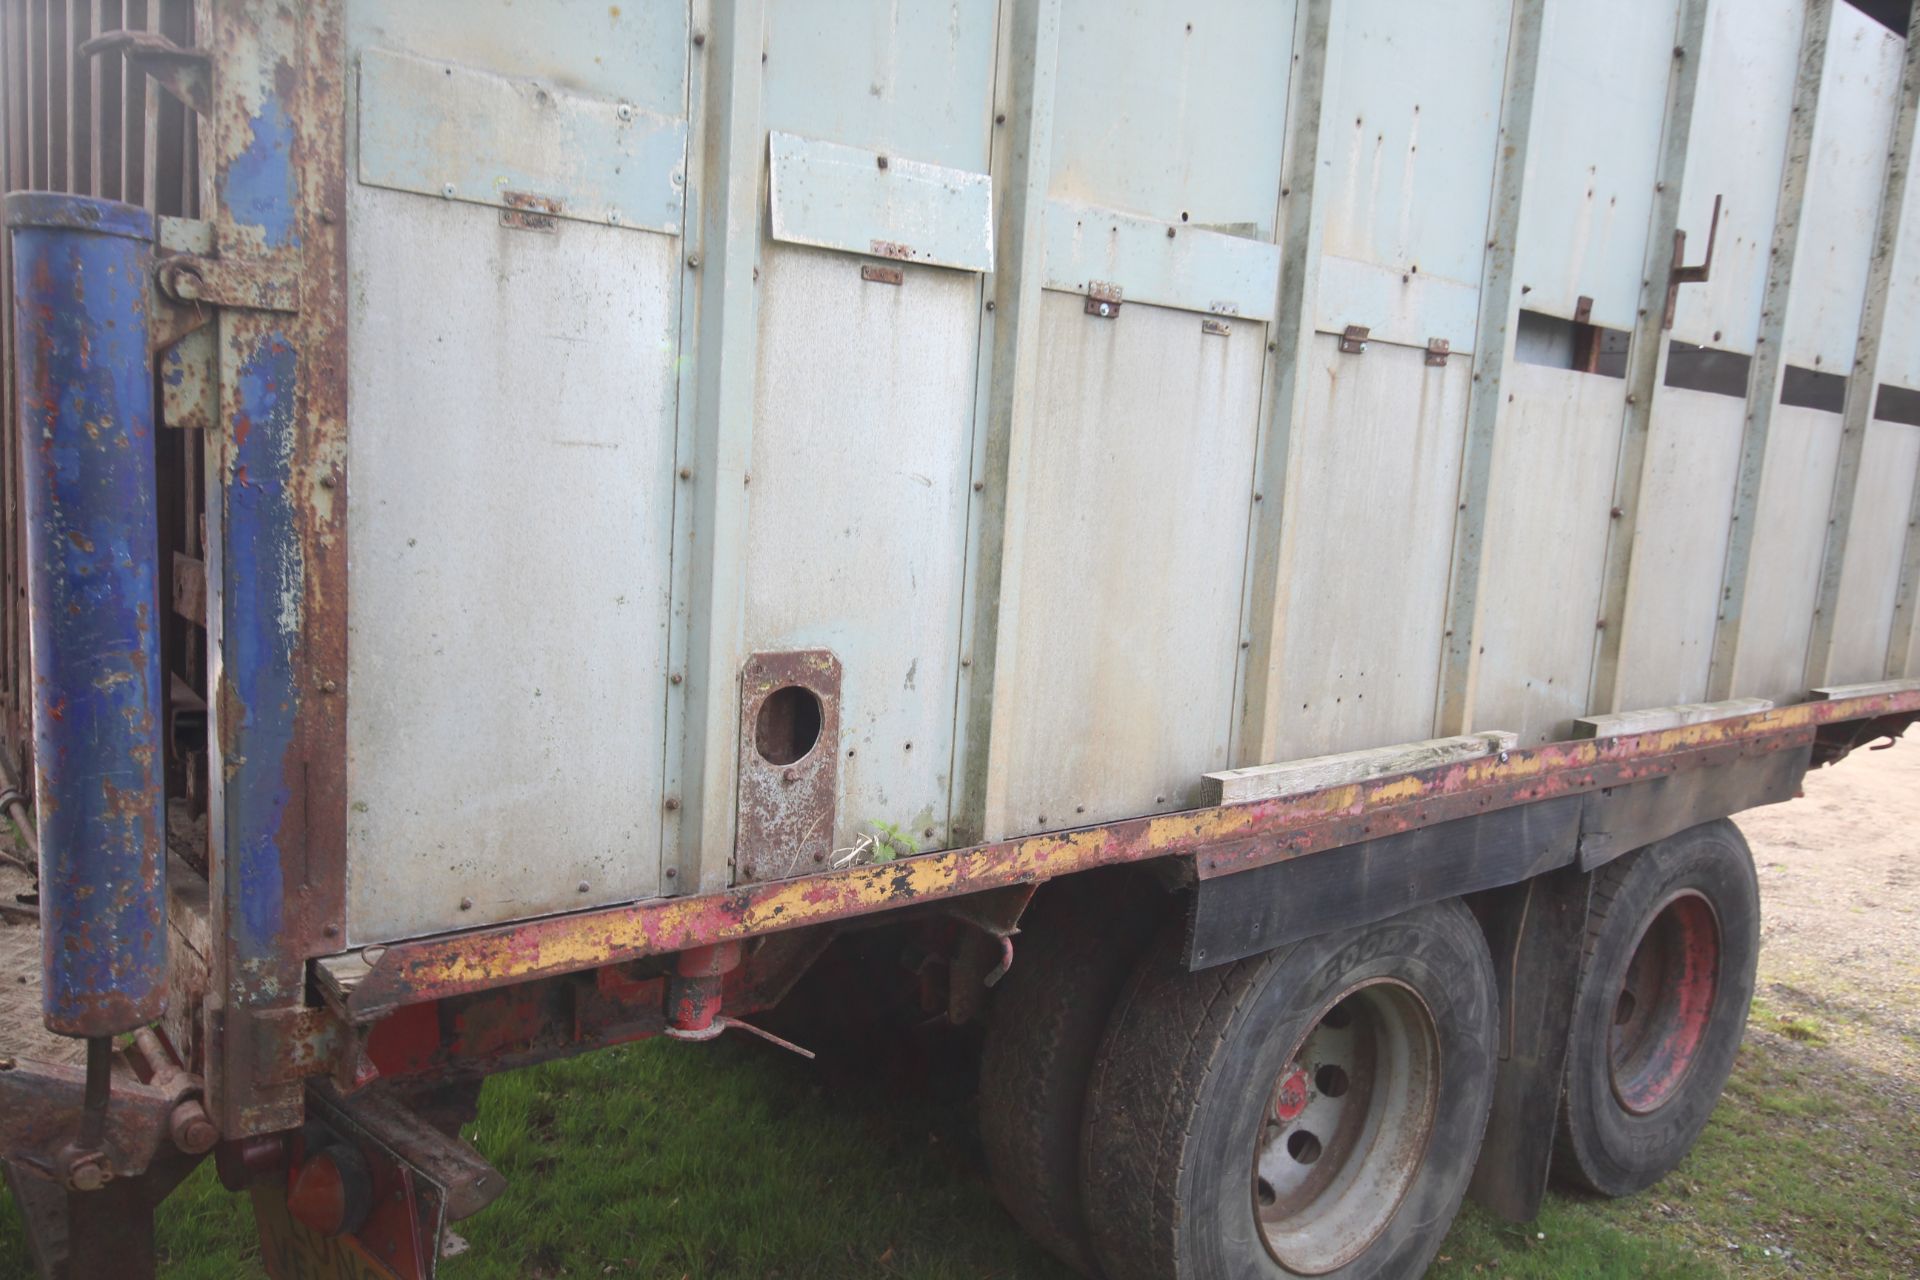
[1354,341]
[1103,300]
[1438,349]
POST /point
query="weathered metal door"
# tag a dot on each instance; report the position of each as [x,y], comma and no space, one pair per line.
[514,211]
[1408,138]
[869,310]
[1131,476]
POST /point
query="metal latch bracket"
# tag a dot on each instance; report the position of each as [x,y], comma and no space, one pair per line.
[185,73]
[227,282]
[1353,342]
[1103,300]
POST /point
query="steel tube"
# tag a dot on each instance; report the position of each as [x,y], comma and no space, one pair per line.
[86,397]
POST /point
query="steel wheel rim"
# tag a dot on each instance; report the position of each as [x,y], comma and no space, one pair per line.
[1660,1010]
[1346,1127]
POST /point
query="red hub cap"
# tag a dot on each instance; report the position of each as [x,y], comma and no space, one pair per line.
[1664,1004]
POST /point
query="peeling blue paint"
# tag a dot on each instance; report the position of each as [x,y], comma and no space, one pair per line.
[262,629]
[258,190]
[86,414]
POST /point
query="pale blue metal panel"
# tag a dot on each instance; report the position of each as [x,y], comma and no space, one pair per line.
[634,53]
[439,129]
[904,79]
[1408,137]
[1160,262]
[1900,340]
[1589,192]
[1174,110]
[1737,153]
[1846,171]
[857,200]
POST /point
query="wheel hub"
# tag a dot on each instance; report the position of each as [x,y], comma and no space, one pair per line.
[1346,1128]
[1664,1004]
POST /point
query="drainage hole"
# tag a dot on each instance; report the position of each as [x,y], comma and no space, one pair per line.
[1266,1193]
[1623,1009]
[788,725]
[1339,1017]
[1303,1146]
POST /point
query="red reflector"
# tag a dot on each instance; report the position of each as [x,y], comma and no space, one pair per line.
[318,1197]
[331,1191]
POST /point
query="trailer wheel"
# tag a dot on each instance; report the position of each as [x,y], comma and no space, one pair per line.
[1673,936]
[1312,1111]
[1074,952]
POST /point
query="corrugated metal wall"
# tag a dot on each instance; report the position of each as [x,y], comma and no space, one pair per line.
[89,126]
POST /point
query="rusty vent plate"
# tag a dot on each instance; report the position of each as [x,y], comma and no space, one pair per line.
[789,764]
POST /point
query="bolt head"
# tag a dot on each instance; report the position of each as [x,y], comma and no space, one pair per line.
[89,1172]
[194,1133]
[624,111]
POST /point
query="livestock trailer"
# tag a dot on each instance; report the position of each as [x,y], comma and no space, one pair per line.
[1268,537]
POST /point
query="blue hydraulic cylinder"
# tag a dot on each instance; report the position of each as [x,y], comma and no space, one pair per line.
[86,411]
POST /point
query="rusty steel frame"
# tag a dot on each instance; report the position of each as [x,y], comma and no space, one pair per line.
[274,187]
[1213,842]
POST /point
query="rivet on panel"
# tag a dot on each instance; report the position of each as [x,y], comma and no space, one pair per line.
[672,803]
[624,111]
[880,161]
[675,678]
[673,873]
[686,473]
[330,687]
[699,38]
[978,485]
[448,189]
[693,261]
[581,887]
[466,904]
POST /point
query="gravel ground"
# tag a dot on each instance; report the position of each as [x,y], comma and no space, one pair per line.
[1840,893]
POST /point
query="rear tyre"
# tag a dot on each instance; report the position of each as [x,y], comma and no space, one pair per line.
[1075,949]
[1673,936]
[1313,1111]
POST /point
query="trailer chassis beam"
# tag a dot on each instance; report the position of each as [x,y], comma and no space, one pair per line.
[1226,840]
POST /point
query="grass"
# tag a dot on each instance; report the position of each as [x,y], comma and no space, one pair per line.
[727,1160]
